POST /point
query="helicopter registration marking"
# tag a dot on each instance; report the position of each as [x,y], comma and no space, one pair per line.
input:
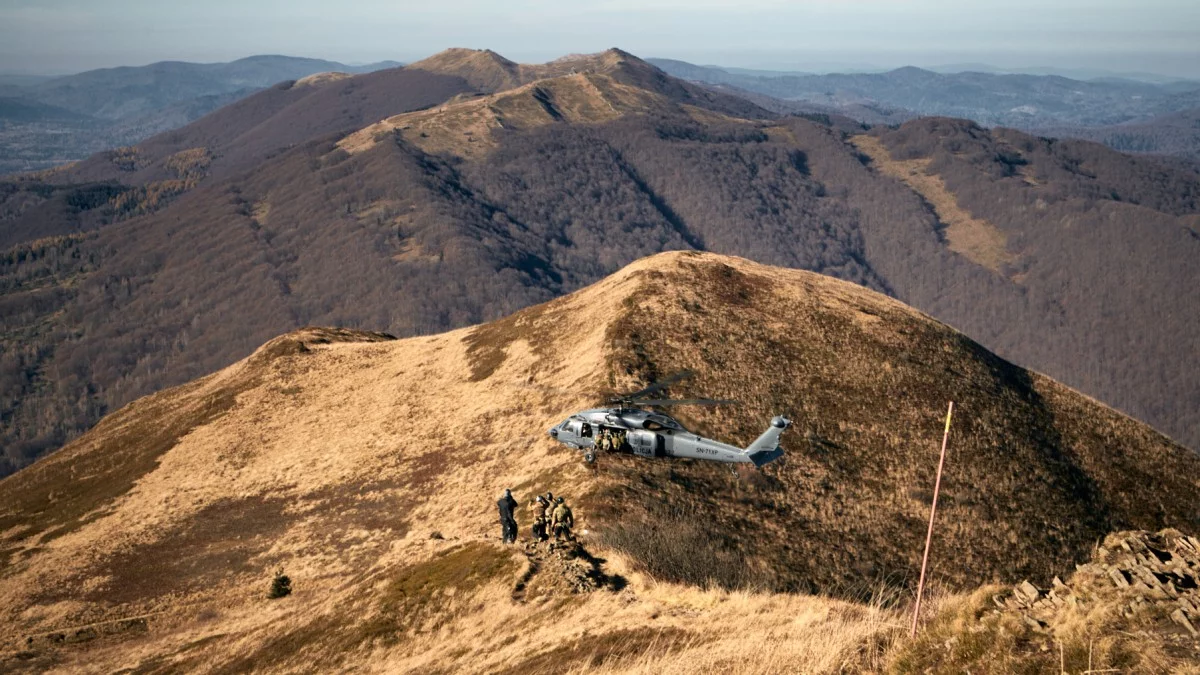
[706,451]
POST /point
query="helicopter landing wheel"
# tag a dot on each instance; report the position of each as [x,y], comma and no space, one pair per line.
[589,457]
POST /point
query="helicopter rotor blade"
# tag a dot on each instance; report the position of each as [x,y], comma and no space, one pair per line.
[661,384]
[686,401]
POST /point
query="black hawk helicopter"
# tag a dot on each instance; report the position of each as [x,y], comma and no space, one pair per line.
[629,429]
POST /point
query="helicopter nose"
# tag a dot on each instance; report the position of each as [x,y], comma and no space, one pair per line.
[553,432]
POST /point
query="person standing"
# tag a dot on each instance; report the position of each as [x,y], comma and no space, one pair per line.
[563,520]
[540,522]
[508,524]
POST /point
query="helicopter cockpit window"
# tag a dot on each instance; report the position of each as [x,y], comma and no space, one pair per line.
[652,425]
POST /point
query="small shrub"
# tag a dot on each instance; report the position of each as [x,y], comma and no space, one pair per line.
[281,585]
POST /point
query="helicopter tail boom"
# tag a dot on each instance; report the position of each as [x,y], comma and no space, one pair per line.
[765,449]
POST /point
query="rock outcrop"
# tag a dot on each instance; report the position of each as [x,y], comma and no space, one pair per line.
[1137,583]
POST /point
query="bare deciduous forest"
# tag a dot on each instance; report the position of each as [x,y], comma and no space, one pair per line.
[100,306]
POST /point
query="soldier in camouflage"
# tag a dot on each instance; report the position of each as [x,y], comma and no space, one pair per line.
[563,520]
[541,523]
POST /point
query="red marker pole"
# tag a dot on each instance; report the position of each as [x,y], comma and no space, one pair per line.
[933,510]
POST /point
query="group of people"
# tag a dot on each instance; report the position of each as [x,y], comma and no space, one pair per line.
[551,515]
[609,441]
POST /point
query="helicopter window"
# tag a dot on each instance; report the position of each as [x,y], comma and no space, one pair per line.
[652,425]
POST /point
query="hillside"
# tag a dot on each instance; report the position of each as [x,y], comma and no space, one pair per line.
[18,110]
[459,207]
[487,71]
[1096,109]
[1176,134]
[251,130]
[149,542]
[52,121]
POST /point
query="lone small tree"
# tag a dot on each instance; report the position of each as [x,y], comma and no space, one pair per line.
[281,585]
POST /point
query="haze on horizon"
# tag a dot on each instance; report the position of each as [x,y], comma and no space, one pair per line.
[1148,36]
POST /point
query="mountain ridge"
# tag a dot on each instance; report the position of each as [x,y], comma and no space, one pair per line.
[335,454]
[114,107]
[487,223]
[1022,101]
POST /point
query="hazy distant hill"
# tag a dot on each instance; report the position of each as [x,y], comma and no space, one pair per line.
[119,93]
[409,201]
[112,107]
[1176,134]
[1019,101]
[21,110]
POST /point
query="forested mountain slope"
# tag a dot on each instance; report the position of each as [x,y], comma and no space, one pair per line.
[1064,257]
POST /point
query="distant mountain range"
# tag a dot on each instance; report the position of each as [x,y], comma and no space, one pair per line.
[465,186]
[45,122]
[1176,134]
[1136,115]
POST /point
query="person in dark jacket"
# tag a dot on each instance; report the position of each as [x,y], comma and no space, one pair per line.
[508,524]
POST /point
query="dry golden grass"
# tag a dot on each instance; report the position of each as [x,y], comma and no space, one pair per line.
[487,71]
[977,239]
[483,69]
[465,127]
[967,634]
[750,634]
[336,454]
[317,79]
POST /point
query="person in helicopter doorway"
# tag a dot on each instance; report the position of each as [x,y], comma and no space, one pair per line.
[508,524]
[563,520]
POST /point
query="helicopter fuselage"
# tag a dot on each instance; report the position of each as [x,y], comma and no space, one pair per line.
[650,434]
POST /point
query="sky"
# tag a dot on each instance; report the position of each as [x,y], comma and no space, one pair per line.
[1147,36]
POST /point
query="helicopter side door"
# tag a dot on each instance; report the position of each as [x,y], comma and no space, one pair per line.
[646,443]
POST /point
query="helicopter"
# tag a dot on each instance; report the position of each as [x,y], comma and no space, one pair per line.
[646,433]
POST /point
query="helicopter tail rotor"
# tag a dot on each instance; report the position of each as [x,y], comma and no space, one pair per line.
[765,449]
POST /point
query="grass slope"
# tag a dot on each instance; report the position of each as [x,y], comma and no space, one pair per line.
[337,456]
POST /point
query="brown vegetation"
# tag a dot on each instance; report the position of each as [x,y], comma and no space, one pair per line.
[1130,610]
[487,71]
[974,238]
[452,229]
[335,454]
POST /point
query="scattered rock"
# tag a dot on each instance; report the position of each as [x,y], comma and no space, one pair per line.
[1180,618]
[1151,577]
[562,569]
[1118,577]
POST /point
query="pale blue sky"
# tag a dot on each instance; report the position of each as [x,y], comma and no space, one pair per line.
[1147,35]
